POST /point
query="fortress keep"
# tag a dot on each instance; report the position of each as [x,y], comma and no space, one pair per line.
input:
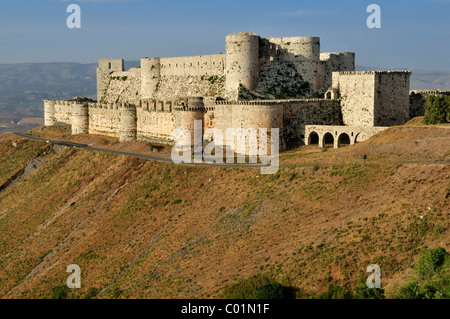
[284,83]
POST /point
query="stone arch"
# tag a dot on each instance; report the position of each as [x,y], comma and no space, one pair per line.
[328,139]
[313,138]
[343,139]
[359,136]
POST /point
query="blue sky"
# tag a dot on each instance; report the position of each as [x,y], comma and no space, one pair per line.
[415,33]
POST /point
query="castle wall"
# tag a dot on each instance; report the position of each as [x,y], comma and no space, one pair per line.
[296,49]
[63,111]
[333,62]
[299,113]
[187,113]
[357,92]
[373,98]
[184,76]
[49,113]
[391,98]
[104,119]
[242,63]
[124,87]
[174,86]
[193,66]
[280,80]
[105,68]
[290,116]
[80,118]
[155,121]
[127,124]
[339,61]
[150,76]
[273,76]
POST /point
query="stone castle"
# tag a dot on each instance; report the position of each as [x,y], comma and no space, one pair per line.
[285,83]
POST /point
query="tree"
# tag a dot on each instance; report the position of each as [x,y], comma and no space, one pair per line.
[437,110]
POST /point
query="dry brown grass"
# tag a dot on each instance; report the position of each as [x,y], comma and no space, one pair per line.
[120,219]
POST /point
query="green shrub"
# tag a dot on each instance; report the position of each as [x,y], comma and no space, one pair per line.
[409,291]
[91,293]
[271,290]
[433,281]
[60,292]
[437,110]
[335,292]
[361,291]
[116,292]
[430,261]
[258,287]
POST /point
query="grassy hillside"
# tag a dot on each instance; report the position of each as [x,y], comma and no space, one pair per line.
[146,229]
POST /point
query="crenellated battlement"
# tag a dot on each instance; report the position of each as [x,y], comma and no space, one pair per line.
[430,92]
[374,72]
[258,82]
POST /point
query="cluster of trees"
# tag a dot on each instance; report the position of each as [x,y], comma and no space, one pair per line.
[437,110]
[431,280]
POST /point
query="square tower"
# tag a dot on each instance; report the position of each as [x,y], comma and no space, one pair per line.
[373,98]
[104,70]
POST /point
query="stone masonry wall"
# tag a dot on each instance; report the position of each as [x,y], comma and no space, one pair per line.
[104,119]
[357,91]
[299,113]
[104,70]
[391,98]
[123,87]
[154,125]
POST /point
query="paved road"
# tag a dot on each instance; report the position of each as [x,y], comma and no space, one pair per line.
[168,160]
[143,156]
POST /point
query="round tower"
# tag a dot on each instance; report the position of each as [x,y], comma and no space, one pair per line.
[127,125]
[49,113]
[150,76]
[187,111]
[242,62]
[80,118]
[302,48]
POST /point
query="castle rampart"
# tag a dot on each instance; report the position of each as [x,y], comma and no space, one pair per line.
[49,113]
[297,49]
[104,70]
[373,98]
[127,123]
[150,76]
[257,83]
[242,62]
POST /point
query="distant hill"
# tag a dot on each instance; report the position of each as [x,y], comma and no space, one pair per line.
[24,86]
